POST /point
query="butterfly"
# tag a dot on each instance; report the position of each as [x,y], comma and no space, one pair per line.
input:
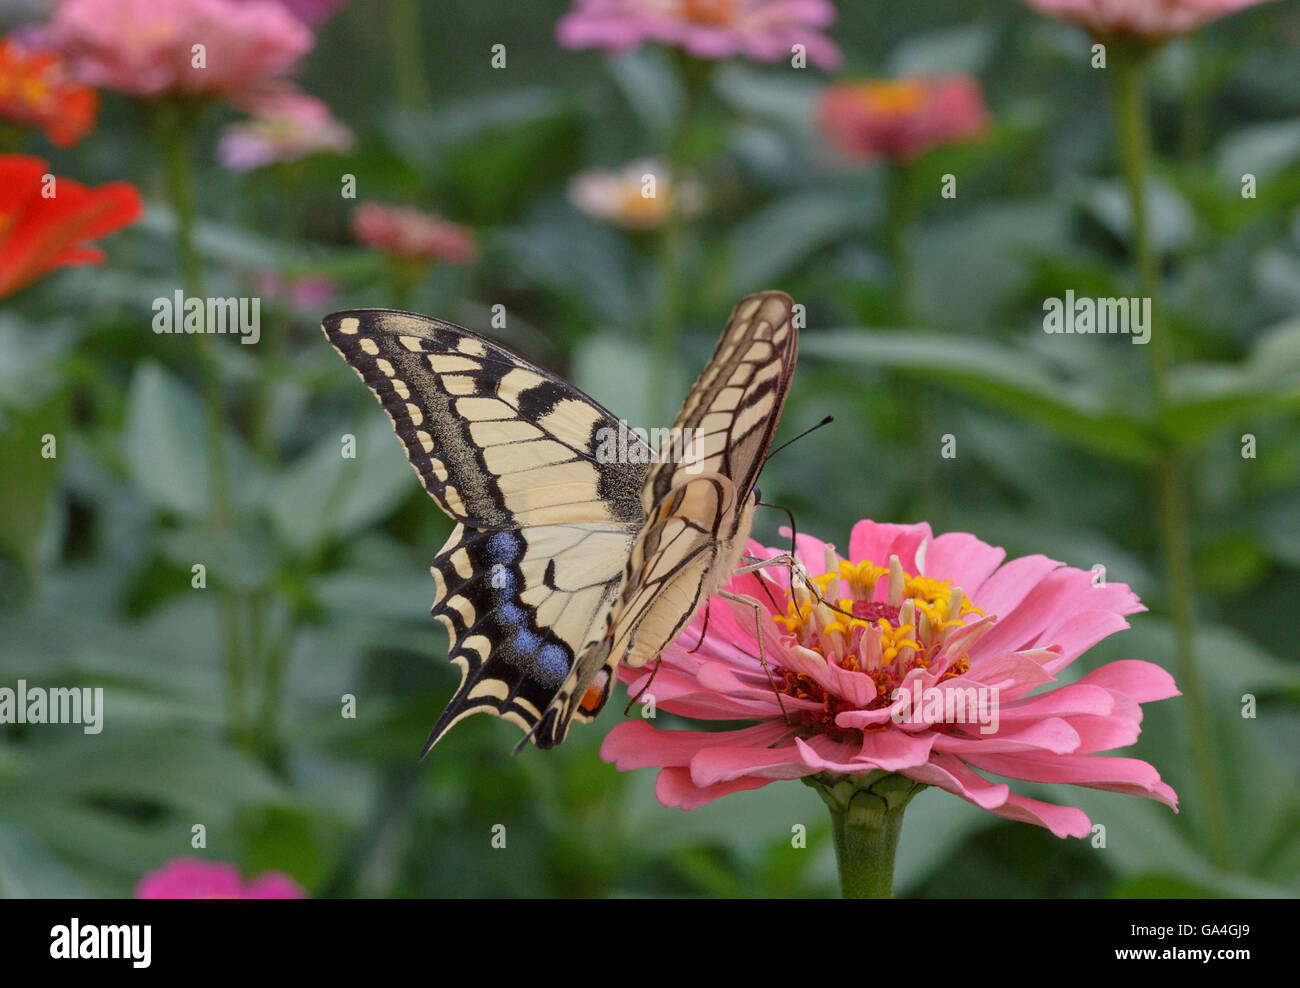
[576,545]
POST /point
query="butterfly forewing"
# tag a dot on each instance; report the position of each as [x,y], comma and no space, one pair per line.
[545,527]
[698,506]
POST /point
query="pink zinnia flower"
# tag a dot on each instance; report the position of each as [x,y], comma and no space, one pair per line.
[764,30]
[1148,18]
[407,232]
[309,291]
[190,878]
[145,47]
[907,616]
[900,119]
[287,127]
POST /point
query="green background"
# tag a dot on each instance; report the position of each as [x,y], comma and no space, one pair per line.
[327,563]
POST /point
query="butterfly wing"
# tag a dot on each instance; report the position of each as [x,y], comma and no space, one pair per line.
[698,505]
[545,518]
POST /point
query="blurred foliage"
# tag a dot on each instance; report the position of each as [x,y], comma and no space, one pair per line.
[328,557]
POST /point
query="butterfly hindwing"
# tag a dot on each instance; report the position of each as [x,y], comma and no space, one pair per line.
[545,523]
[698,506]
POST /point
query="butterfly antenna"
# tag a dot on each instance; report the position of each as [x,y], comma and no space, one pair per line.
[826,421]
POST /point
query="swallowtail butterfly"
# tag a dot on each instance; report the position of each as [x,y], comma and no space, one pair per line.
[565,561]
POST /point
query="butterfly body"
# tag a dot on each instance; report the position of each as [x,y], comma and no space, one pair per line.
[563,563]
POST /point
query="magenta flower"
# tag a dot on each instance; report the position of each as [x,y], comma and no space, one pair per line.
[764,30]
[287,127]
[900,119]
[146,48]
[190,878]
[1147,18]
[409,233]
[923,657]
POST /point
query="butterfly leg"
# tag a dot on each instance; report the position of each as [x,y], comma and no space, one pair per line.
[796,569]
[703,631]
[641,692]
[758,634]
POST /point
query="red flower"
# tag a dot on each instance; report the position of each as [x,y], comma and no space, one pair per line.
[45,221]
[37,91]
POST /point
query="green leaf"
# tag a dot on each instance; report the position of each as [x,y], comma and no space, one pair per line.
[324,496]
[1205,399]
[651,86]
[31,478]
[196,776]
[772,242]
[1170,218]
[28,871]
[966,48]
[1261,149]
[166,442]
[1009,378]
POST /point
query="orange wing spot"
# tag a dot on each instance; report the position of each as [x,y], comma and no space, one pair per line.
[595,692]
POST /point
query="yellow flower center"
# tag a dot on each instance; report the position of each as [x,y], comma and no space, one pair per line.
[890,97]
[885,639]
[638,210]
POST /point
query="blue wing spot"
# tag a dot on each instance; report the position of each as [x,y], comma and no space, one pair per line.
[527,642]
[503,548]
[512,613]
[553,661]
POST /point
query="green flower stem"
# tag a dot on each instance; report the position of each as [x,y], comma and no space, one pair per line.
[1128,64]
[866,820]
[921,433]
[667,321]
[404,34]
[175,125]
[666,326]
[901,212]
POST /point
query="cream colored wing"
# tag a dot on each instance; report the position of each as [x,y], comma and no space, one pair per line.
[698,508]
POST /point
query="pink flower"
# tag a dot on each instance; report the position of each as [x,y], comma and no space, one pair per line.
[900,119]
[924,657]
[287,127]
[1148,18]
[765,30]
[407,232]
[146,48]
[190,878]
[309,291]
